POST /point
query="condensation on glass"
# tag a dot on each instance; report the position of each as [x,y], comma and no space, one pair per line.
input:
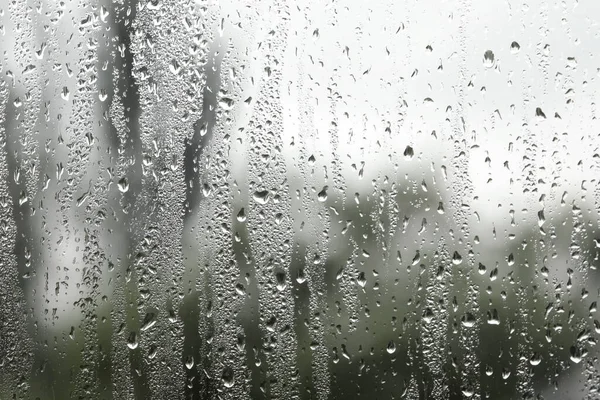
[299,199]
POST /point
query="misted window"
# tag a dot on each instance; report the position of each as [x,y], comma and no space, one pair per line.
[281,199]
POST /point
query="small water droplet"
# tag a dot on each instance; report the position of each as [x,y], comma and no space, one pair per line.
[174,67]
[428,315]
[65,93]
[391,347]
[515,47]
[489,59]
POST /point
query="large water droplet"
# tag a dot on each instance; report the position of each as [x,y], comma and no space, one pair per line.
[123,185]
[227,377]
[261,196]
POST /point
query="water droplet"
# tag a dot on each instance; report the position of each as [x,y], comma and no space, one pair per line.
[189,362]
[575,355]
[174,67]
[23,198]
[408,153]
[481,269]
[226,103]
[468,320]
[123,185]
[241,215]
[322,195]
[132,342]
[361,280]
[428,315]
[540,114]
[515,47]
[102,95]
[391,347]
[29,69]
[440,208]
[301,277]
[149,321]
[281,284]
[456,258]
[489,59]
[65,93]
[261,196]
[535,359]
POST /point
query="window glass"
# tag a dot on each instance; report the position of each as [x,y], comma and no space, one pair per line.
[299,199]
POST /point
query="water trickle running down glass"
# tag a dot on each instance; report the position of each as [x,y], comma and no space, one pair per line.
[299,199]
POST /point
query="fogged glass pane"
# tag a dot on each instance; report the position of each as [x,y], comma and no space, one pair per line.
[299,199]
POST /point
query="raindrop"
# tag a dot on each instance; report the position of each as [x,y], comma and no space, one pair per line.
[174,67]
[481,269]
[123,185]
[489,59]
[391,347]
[515,47]
[540,114]
[575,355]
[226,103]
[440,208]
[227,377]
[535,359]
[322,195]
[468,320]
[428,315]
[361,280]
[456,258]
[241,215]
[261,196]
[281,284]
[189,362]
[149,321]
[65,93]
[132,342]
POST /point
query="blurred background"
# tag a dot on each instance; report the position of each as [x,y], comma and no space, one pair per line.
[299,200]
